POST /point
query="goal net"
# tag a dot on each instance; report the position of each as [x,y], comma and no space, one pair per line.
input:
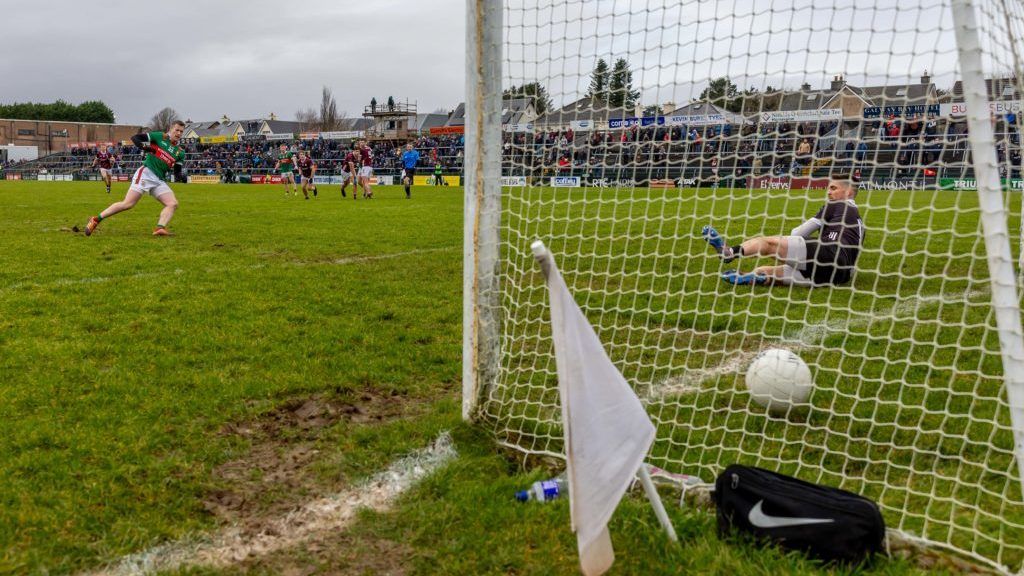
[627,127]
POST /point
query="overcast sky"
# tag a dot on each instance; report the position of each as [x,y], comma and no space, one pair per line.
[248,58]
[243,58]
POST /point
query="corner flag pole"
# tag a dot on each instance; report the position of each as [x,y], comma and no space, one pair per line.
[655,499]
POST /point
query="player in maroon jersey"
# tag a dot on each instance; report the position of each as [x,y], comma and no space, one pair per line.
[366,169]
[349,172]
[105,160]
[307,169]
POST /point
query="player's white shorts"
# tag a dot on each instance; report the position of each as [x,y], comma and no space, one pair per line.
[796,252]
[105,172]
[366,172]
[288,176]
[795,262]
[146,182]
[345,175]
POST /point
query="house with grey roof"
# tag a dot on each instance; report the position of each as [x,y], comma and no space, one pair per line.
[513,111]
[586,109]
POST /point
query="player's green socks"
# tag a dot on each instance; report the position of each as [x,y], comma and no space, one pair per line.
[99,217]
[161,226]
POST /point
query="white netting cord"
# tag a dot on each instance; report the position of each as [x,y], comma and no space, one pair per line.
[908,406]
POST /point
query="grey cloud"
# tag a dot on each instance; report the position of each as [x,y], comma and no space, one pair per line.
[241,58]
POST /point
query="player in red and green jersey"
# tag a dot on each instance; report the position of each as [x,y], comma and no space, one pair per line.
[163,155]
[286,166]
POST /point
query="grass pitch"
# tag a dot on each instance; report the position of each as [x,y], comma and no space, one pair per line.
[273,350]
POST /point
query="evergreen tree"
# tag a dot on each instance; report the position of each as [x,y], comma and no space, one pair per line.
[620,86]
[534,91]
[722,93]
[598,88]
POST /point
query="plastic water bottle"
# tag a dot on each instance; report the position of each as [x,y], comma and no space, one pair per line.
[545,490]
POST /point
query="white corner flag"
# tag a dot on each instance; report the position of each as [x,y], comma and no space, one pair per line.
[607,430]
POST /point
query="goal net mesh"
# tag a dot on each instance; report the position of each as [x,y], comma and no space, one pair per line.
[736,114]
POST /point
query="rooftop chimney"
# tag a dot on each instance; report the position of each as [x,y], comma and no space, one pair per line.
[837,83]
[926,79]
[805,87]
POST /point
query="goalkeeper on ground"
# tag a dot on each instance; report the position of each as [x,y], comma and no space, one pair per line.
[805,261]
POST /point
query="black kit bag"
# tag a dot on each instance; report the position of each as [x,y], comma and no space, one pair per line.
[826,523]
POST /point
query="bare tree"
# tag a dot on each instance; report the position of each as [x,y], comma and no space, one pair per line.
[307,119]
[328,111]
[163,119]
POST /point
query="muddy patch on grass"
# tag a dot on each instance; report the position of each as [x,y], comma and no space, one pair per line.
[276,471]
[336,554]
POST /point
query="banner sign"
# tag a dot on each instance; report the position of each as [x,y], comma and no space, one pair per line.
[527,127]
[802,115]
[999,108]
[662,183]
[784,183]
[565,181]
[629,122]
[697,120]
[252,138]
[688,183]
[203,179]
[53,177]
[337,179]
[87,145]
[916,110]
[449,180]
[266,179]
[513,181]
[611,183]
[342,135]
[13,176]
[582,125]
[309,136]
[972,184]
[287,136]
[217,139]
[894,184]
[122,178]
[448,130]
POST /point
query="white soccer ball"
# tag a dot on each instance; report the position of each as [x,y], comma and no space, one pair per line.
[779,379]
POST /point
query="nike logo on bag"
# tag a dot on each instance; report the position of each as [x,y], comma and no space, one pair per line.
[762,520]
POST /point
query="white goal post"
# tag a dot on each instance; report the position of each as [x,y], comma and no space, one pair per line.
[615,132]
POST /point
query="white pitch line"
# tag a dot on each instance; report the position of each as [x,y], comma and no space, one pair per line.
[809,336]
[317,518]
[101,279]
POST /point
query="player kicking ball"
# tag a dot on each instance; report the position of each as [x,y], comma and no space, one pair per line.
[162,155]
[286,168]
[105,160]
[804,261]
[307,168]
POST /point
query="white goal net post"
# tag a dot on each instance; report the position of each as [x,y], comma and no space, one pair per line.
[615,132]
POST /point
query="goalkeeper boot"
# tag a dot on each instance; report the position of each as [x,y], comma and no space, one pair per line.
[715,240]
[734,277]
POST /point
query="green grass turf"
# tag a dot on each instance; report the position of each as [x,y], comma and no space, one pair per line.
[122,356]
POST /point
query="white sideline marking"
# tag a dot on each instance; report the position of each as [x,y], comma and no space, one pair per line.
[100,279]
[319,517]
[811,335]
